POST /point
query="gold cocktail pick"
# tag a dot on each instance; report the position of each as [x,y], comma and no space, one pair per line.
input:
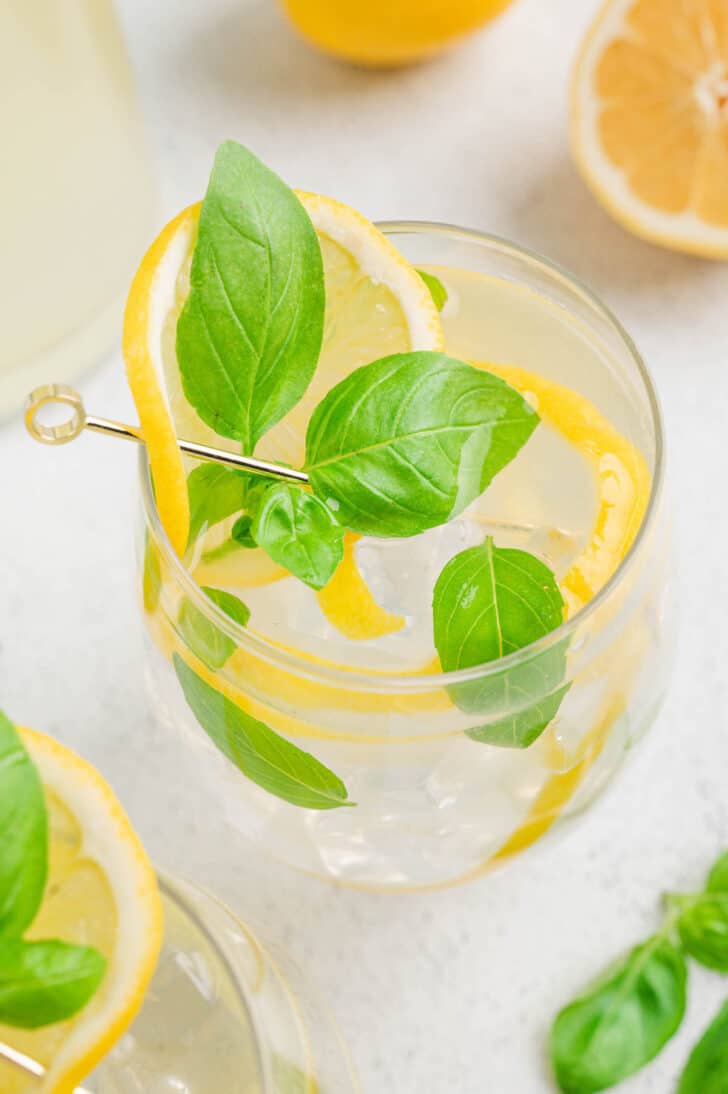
[28,1065]
[78,420]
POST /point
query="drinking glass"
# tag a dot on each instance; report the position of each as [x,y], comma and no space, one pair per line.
[226,1014]
[434,804]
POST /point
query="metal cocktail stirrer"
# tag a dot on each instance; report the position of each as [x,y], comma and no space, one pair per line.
[59,394]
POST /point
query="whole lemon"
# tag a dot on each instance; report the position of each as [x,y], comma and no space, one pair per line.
[388,32]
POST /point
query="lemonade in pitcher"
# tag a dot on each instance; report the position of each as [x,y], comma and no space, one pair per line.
[77,179]
[406,667]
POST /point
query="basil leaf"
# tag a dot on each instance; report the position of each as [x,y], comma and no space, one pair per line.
[489,602]
[23,834]
[300,533]
[718,877]
[703,929]
[407,442]
[623,1021]
[250,332]
[204,638]
[438,292]
[215,493]
[46,982]
[521,729]
[152,576]
[263,756]
[242,532]
[706,1071]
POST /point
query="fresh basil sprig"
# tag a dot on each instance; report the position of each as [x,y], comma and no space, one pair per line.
[407,442]
[300,533]
[706,1071]
[488,602]
[623,1021]
[44,981]
[263,756]
[250,331]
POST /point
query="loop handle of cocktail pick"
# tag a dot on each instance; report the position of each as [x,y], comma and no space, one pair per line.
[27,1064]
[77,420]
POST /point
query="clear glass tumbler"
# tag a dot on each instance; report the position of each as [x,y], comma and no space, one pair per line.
[224,1015]
[434,804]
[75,187]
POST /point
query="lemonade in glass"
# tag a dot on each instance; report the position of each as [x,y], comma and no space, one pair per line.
[115,980]
[410,669]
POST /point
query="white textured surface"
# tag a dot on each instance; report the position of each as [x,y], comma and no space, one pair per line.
[452,991]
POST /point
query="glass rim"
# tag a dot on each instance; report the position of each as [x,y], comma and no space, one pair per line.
[173,888]
[383,682]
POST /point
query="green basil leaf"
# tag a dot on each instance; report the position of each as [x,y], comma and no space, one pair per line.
[46,982]
[215,493]
[23,834]
[489,602]
[521,729]
[407,442]
[438,292]
[152,576]
[703,929]
[204,638]
[300,533]
[623,1021]
[706,1071]
[263,756]
[718,877]
[250,332]
[242,532]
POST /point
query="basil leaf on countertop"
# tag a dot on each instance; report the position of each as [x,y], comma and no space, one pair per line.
[718,877]
[46,982]
[300,533]
[703,927]
[622,1021]
[489,602]
[23,834]
[407,442]
[706,1071]
[250,331]
[261,755]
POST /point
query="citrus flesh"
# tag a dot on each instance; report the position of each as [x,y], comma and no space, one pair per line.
[650,119]
[101,891]
[381,33]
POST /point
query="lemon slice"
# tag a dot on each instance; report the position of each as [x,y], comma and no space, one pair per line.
[152,297]
[621,475]
[650,119]
[102,892]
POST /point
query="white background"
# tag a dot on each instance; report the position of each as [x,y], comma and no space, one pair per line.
[453,991]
